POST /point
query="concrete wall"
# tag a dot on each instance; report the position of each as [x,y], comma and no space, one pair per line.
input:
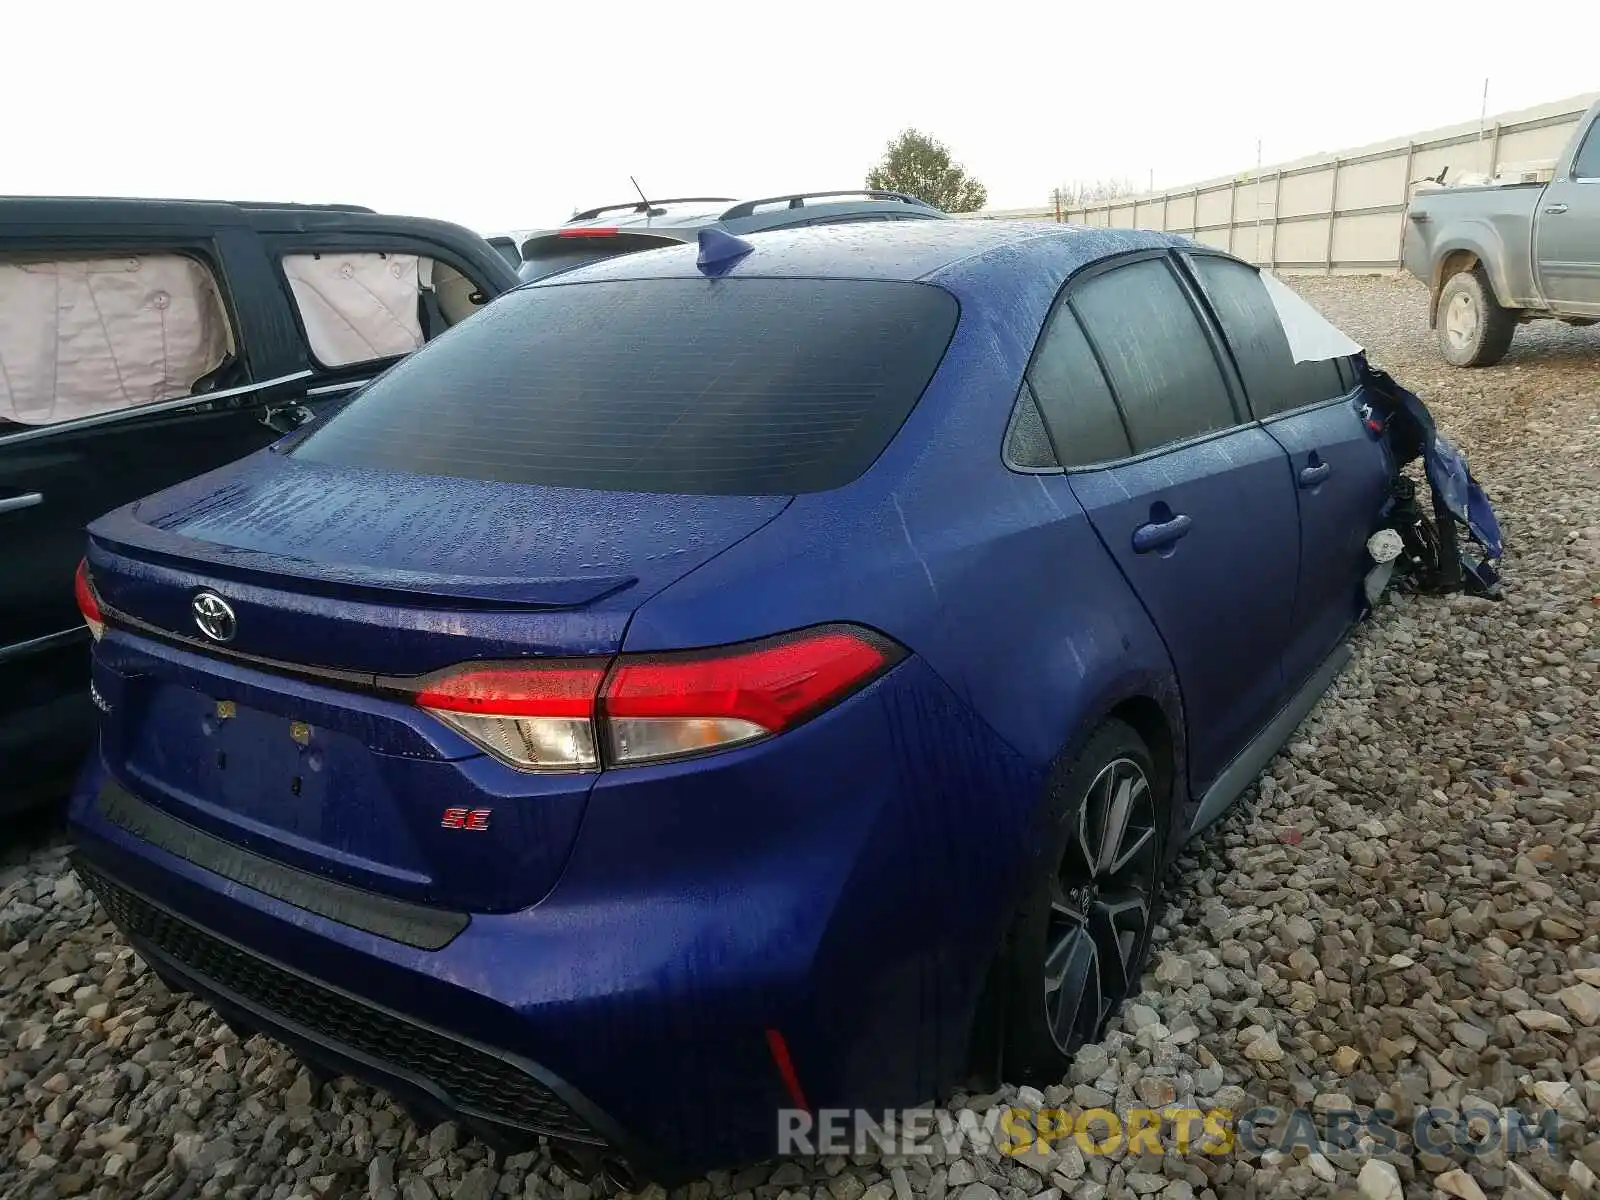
[1332,212]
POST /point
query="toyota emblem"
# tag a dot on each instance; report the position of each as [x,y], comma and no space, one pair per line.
[215,617]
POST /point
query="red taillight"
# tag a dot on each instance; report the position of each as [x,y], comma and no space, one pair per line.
[538,716]
[587,231]
[548,689]
[555,715]
[764,689]
[668,706]
[88,602]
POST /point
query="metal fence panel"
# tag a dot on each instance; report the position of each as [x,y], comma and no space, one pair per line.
[1339,212]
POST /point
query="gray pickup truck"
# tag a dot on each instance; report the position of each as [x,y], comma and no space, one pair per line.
[1499,254]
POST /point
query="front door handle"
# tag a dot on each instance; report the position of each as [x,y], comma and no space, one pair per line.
[1313,475]
[1158,535]
[1555,210]
[24,500]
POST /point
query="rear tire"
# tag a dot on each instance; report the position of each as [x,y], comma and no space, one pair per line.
[1077,947]
[1474,331]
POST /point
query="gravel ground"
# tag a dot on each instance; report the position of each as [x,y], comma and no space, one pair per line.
[1404,913]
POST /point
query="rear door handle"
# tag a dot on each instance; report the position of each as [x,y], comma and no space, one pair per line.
[1311,476]
[1555,210]
[1159,535]
[24,500]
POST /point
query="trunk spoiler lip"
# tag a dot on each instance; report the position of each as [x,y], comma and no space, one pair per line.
[370,683]
[364,681]
[122,534]
[622,239]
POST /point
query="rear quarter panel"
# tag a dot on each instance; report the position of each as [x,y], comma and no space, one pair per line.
[1493,223]
[1023,635]
[993,577]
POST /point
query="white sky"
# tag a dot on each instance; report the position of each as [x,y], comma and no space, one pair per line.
[504,116]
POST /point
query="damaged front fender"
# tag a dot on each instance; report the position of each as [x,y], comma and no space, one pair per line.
[1431,551]
[1459,502]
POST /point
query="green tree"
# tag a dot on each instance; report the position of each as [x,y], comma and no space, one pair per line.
[920,166]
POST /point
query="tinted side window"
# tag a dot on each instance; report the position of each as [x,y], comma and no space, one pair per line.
[1587,163]
[1274,381]
[1073,396]
[1027,443]
[1160,364]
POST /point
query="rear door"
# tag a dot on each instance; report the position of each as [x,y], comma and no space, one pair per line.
[1339,470]
[132,363]
[1192,501]
[1567,232]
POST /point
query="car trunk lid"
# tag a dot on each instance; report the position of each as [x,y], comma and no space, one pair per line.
[294,738]
[391,573]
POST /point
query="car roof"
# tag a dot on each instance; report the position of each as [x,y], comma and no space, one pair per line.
[1010,271]
[106,211]
[665,214]
[685,215]
[903,250]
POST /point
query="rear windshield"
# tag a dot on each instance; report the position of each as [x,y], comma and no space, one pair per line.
[695,386]
[551,253]
[543,265]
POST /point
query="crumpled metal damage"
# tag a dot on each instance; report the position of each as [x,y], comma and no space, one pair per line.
[1458,499]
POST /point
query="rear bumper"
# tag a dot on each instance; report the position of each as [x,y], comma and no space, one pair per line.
[506,1099]
[844,885]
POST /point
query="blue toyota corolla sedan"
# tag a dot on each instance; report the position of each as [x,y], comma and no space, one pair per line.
[764,675]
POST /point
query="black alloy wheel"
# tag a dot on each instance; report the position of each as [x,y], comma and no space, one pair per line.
[1077,945]
[1101,905]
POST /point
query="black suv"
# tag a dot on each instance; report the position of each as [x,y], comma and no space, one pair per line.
[614,229]
[143,342]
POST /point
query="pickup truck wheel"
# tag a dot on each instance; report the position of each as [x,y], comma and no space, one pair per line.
[1474,331]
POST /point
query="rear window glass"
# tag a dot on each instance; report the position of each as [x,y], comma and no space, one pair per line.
[1073,396]
[695,386]
[1586,164]
[551,254]
[544,264]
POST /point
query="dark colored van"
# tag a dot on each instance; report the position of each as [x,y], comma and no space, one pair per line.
[143,342]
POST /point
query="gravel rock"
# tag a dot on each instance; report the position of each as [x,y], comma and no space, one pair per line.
[1403,913]
[1264,1047]
[1380,1181]
[1457,1182]
[1542,1021]
[1582,1000]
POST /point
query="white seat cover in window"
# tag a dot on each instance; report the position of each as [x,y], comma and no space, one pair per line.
[356,307]
[85,336]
